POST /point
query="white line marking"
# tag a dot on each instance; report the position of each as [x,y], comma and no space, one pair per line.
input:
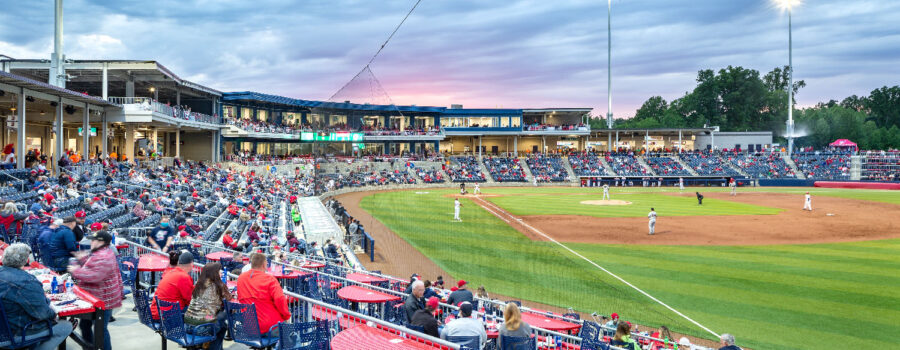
[592,263]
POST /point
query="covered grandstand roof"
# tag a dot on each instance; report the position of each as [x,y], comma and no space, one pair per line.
[41,87]
[261,97]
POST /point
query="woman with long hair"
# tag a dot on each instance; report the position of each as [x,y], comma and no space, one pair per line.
[206,302]
[623,339]
[513,326]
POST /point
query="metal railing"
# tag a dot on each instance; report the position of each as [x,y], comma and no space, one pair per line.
[149,104]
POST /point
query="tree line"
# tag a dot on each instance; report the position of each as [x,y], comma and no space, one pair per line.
[739,99]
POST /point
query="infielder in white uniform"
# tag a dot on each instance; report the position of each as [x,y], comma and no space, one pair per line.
[733,187]
[477,189]
[807,203]
[605,191]
[456,206]
[652,217]
[681,183]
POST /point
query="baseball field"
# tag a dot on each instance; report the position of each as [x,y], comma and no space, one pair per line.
[754,265]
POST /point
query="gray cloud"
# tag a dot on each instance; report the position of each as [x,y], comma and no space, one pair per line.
[523,53]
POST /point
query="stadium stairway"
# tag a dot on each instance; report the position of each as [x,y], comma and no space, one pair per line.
[640,160]
[685,165]
[736,168]
[487,175]
[528,176]
[609,169]
[572,177]
[855,168]
[790,163]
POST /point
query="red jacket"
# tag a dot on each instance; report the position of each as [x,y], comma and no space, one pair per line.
[176,285]
[99,275]
[263,290]
[229,242]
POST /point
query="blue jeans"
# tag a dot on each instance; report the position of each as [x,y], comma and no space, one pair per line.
[87,330]
[61,331]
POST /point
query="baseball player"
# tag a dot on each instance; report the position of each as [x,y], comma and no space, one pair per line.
[617,182]
[807,203]
[606,191]
[733,185]
[477,190]
[456,206]
[652,217]
[659,182]
[681,183]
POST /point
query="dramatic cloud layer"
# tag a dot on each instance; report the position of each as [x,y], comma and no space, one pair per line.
[523,53]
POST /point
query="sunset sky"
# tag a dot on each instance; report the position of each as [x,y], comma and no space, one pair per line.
[510,54]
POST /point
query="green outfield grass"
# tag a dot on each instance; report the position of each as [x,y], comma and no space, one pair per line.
[666,205]
[819,296]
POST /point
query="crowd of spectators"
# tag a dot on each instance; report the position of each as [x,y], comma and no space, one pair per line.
[465,169]
[666,166]
[562,127]
[763,165]
[625,164]
[881,165]
[587,164]
[823,165]
[547,168]
[504,169]
[395,131]
[430,176]
[707,163]
[266,127]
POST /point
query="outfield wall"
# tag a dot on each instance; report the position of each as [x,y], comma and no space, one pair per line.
[859,185]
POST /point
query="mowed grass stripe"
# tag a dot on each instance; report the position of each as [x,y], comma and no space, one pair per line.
[641,203]
[817,300]
[788,297]
[761,260]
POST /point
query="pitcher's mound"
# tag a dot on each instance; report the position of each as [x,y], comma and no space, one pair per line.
[606,202]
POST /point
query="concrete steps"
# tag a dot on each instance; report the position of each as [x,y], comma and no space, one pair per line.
[529,177]
[640,160]
[793,166]
[685,165]
[609,169]
[572,177]
[487,175]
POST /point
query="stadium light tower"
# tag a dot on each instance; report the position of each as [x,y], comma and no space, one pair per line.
[789,5]
[57,74]
[609,112]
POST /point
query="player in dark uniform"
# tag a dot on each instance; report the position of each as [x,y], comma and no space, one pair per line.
[699,199]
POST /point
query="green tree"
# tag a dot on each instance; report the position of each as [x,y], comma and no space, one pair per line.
[654,108]
[884,106]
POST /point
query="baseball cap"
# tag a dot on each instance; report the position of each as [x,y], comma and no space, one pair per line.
[96,226]
[183,233]
[102,236]
[80,214]
[614,315]
[432,303]
[465,309]
[96,199]
[453,289]
[461,283]
[185,258]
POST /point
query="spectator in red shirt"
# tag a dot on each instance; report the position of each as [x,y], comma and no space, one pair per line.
[176,285]
[262,289]
[229,242]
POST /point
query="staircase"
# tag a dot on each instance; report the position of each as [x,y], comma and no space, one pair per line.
[855,167]
[735,167]
[685,165]
[487,175]
[528,176]
[572,177]
[790,163]
[640,160]
[609,169]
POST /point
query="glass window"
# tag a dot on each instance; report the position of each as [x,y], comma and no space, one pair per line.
[504,122]
[246,113]
[516,122]
[262,115]
[337,120]
[228,111]
[315,120]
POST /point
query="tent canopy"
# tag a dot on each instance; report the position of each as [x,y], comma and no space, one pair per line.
[843,143]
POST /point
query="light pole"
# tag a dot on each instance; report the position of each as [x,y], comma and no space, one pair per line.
[788,5]
[609,112]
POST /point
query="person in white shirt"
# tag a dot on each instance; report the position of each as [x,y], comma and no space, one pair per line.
[465,325]
[606,191]
[652,217]
[681,183]
[733,187]
[807,203]
[477,190]
[456,206]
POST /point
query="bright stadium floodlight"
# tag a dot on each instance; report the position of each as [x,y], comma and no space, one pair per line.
[789,5]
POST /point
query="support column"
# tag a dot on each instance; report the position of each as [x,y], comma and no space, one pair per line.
[617,141]
[86,133]
[712,137]
[543,144]
[60,132]
[105,81]
[104,141]
[129,141]
[20,131]
[129,89]
[646,140]
[177,96]
[479,147]
[154,139]
[609,142]
[178,143]
[212,154]
[516,145]
[680,144]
